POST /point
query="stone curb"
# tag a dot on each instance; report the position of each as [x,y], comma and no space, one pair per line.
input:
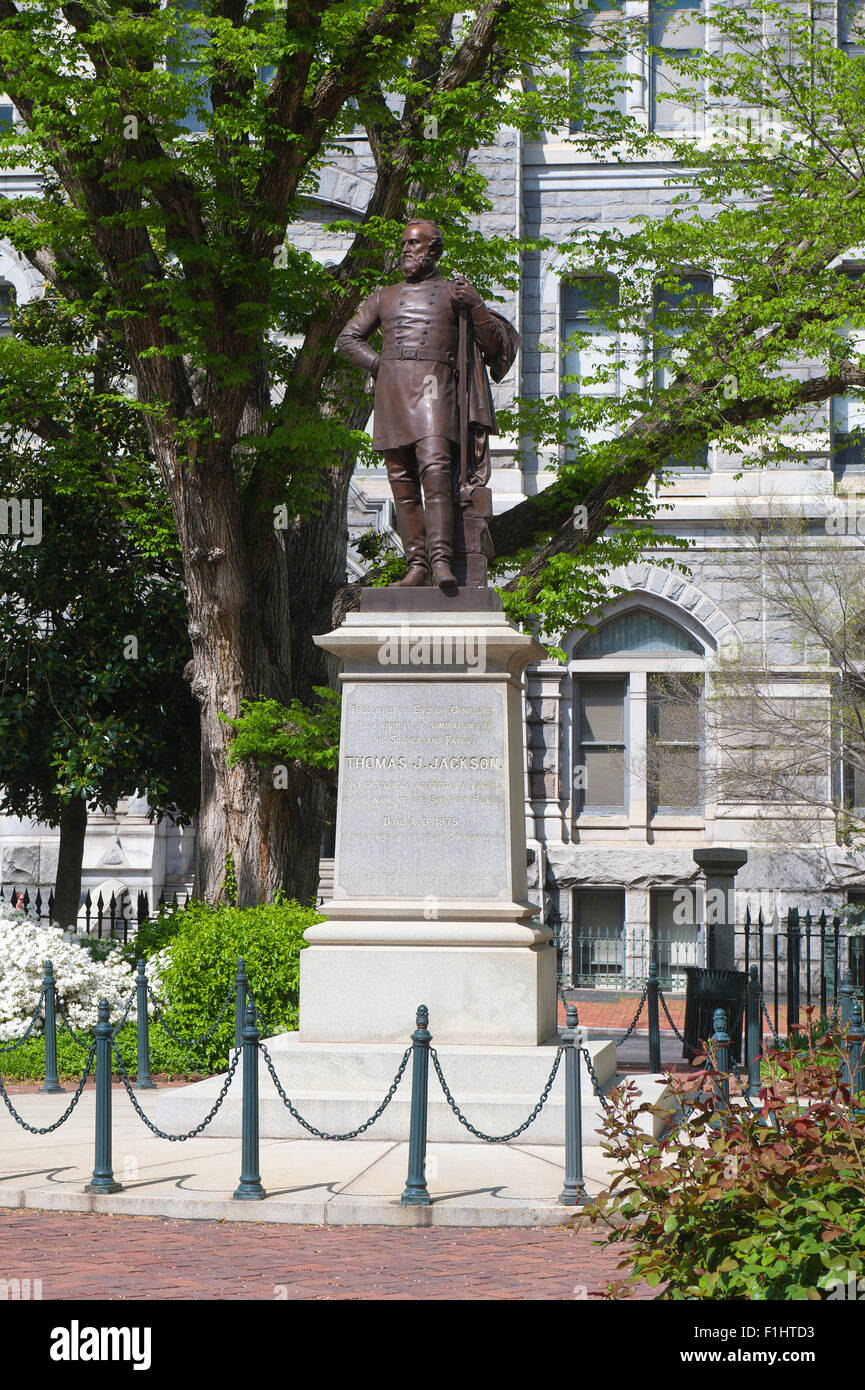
[334,1211]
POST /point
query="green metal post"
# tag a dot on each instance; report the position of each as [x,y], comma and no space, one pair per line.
[52,1083]
[416,1193]
[103,1173]
[721,1049]
[852,1069]
[250,1188]
[753,1031]
[573,1194]
[239,1002]
[653,985]
[845,995]
[144,1081]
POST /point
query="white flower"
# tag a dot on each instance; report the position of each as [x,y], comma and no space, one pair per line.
[25,945]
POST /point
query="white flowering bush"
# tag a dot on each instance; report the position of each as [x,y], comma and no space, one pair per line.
[25,945]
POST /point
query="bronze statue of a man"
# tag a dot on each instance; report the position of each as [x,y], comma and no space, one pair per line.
[433,405]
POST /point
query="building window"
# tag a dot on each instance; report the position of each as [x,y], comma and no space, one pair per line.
[6,301]
[852,783]
[833,958]
[599,777]
[674,306]
[850,721]
[639,631]
[847,413]
[851,26]
[638,722]
[598,957]
[675,717]
[590,348]
[674,945]
[606,88]
[675,28]
[7,116]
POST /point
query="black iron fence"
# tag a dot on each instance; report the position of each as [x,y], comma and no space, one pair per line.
[800,957]
[114,919]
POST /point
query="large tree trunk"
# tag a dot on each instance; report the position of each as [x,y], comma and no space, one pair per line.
[256,596]
[70,857]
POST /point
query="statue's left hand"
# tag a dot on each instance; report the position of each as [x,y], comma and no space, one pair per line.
[464,294]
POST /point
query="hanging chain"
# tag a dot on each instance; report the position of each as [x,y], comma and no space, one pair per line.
[636,1018]
[778,1042]
[30,1026]
[82,1042]
[49,1129]
[669,1019]
[188,1042]
[259,1021]
[496,1138]
[122,1024]
[596,1085]
[160,1133]
[320,1133]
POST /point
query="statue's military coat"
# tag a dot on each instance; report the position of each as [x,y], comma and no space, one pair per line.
[415,388]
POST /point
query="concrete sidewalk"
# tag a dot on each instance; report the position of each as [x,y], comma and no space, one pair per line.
[308,1181]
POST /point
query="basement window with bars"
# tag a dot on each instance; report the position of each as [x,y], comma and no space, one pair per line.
[598,951]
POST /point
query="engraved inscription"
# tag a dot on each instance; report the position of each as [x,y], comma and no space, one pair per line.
[423,792]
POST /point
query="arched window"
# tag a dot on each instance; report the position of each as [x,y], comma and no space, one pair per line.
[638,631]
[638,720]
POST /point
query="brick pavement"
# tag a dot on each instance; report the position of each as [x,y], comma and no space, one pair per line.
[605,1011]
[81,1256]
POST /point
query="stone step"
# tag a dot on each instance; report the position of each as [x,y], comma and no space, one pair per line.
[496,1097]
[371,1066]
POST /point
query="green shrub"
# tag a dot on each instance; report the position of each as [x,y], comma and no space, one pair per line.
[768,1205]
[27,1063]
[197,969]
[193,954]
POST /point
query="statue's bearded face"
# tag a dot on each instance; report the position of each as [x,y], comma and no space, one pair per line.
[419,253]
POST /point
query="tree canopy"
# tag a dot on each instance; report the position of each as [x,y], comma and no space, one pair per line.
[175,147]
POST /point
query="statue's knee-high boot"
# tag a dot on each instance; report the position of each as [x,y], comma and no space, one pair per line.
[405,488]
[439,513]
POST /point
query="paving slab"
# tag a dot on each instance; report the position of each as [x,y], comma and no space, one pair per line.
[307,1181]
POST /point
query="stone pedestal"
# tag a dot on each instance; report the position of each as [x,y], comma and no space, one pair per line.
[720,865]
[429,902]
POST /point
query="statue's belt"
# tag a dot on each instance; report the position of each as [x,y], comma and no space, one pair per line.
[412,354]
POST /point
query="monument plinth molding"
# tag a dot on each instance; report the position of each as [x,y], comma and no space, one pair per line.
[429,902]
